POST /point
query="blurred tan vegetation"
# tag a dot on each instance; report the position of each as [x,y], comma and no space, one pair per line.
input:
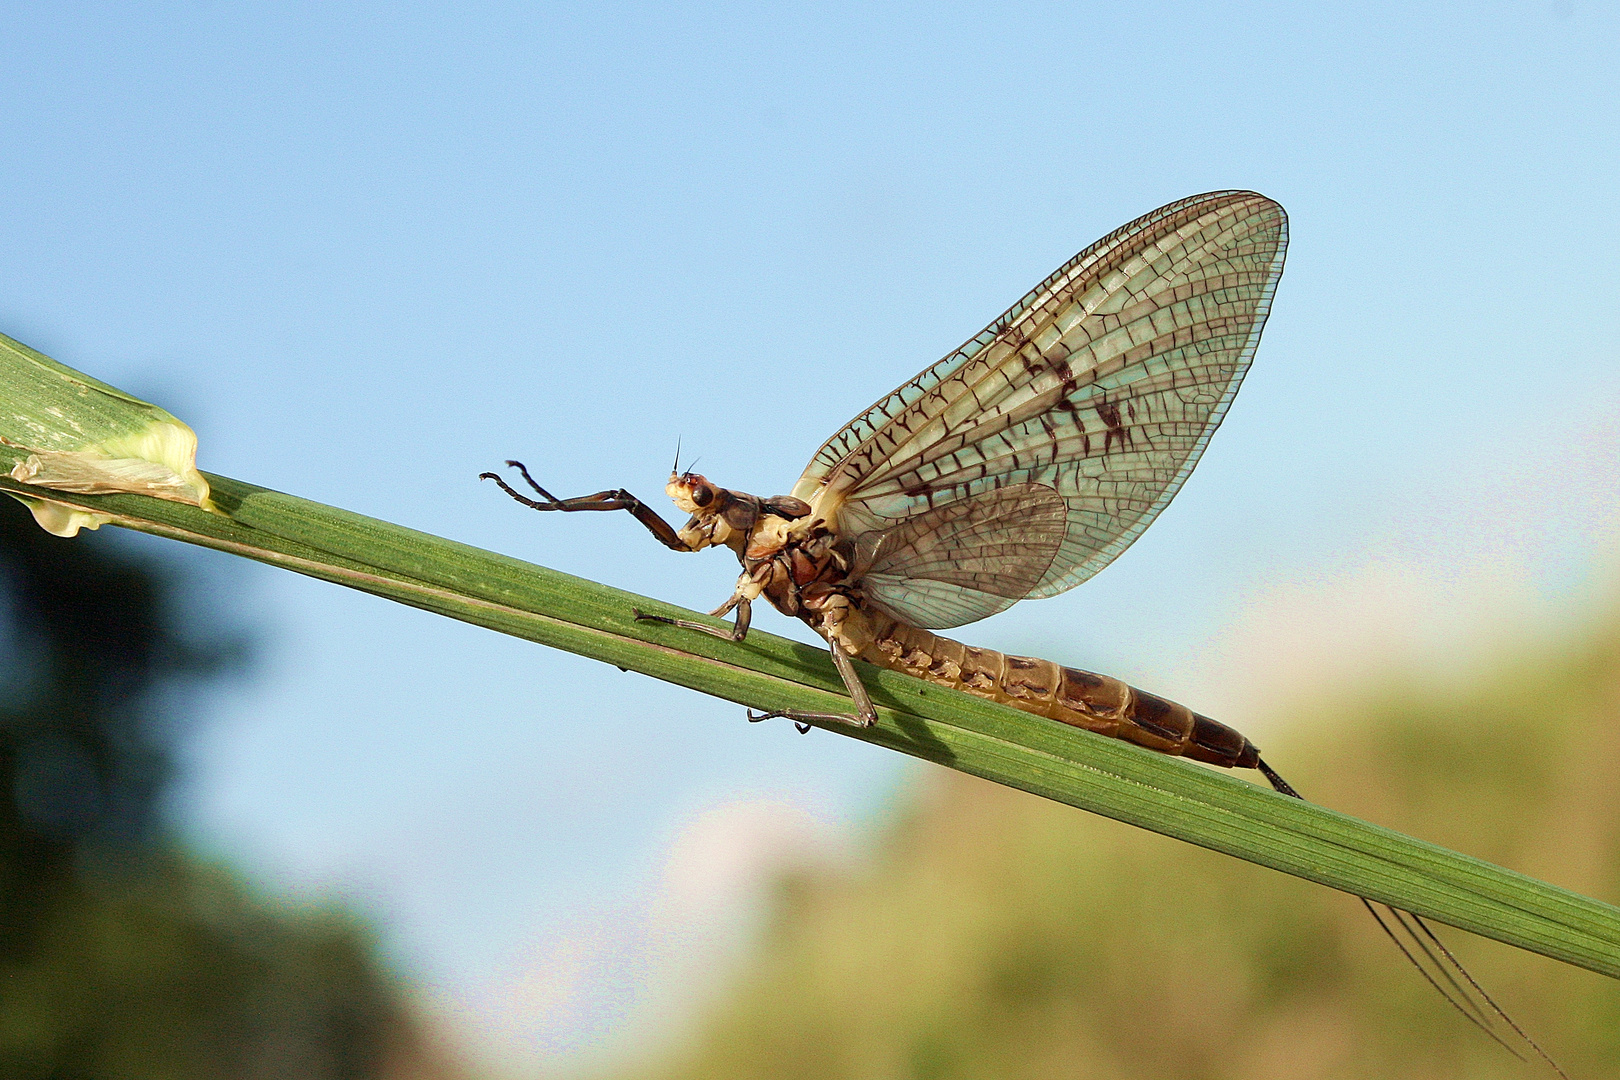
[995,934]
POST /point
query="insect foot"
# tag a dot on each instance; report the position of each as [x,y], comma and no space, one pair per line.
[804,728]
[799,719]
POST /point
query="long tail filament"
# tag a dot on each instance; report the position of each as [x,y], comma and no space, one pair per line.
[1438,965]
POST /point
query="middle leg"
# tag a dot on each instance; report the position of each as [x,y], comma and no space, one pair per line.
[865,712]
[738,631]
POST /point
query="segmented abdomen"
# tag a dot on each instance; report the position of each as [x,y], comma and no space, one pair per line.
[1082,698]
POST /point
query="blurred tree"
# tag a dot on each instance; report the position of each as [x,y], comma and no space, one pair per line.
[91,641]
[119,955]
[997,934]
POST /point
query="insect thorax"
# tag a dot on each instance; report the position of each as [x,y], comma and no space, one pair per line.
[789,557]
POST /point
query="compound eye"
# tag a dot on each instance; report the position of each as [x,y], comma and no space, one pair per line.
[702,495]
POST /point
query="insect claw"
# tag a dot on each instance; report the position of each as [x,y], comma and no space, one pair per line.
[804,728]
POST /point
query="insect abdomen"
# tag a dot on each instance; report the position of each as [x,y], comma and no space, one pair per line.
[1084,699]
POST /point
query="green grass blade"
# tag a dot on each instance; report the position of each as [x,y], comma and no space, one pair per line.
[1167,795]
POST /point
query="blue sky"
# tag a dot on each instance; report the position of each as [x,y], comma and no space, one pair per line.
[369,251]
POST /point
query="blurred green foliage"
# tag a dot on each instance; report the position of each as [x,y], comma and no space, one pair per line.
[120,955]
[995,934]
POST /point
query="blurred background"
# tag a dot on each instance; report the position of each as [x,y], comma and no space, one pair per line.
[256,825]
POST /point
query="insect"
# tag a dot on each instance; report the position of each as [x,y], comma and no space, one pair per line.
[1016,467]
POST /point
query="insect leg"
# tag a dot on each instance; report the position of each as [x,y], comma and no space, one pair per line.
[865,713]
[616,499]
[738,631]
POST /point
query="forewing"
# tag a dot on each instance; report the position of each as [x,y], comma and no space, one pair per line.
[1103,384]
[964,560]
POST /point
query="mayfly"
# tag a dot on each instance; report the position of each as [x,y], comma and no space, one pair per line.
[1017,467]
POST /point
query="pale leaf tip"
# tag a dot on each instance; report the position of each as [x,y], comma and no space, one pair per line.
[73,434]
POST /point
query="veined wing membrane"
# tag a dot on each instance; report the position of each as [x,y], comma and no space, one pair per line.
[1102,385]
[965,560]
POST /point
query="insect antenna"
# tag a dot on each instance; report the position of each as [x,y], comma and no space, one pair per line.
[675,470]
[1471,1001]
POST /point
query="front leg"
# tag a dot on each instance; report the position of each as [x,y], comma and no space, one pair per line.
[616,499]
[865,713]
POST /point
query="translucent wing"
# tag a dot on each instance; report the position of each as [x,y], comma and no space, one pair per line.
[1102,386]
[966,559]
